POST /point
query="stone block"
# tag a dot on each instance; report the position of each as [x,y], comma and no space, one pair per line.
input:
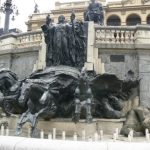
[144,86]
[89,66]
[109,125]
[144,67]
[69,127]
[119,68]
[145,98]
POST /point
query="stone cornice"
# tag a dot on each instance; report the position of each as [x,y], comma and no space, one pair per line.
[61,11]
[35,21]
[20,50]
[123,47]
[135,7]
[137,27]
[15,35]
[29,33]
[9,35]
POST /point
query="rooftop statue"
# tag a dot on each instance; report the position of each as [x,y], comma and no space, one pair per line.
[94,13]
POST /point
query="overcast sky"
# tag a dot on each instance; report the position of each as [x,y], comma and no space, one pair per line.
[26,7]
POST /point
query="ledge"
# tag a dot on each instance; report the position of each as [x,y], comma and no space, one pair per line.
[120,46]
[20,50]
[15,35]
[132,28]
[115,46]
[112,120]
[5,36]
[19,143]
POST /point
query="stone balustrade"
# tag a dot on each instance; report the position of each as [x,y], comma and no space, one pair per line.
[115,35]
[22,40]
[8,41]
[29,39]
[122,37]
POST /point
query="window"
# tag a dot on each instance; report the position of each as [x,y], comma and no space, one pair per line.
[148,19]
[113,20]
[133,20]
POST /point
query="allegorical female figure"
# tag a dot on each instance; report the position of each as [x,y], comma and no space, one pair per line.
[65,43]
[60,43]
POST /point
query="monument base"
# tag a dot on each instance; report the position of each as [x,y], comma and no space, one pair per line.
[107,125]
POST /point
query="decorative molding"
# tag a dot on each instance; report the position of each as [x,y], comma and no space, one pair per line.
[143,11]
[145,1]
[123,12]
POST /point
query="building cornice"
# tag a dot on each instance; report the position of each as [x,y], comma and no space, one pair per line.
[68,10]
[137,7]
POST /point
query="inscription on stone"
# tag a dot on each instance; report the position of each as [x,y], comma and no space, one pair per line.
[117,58]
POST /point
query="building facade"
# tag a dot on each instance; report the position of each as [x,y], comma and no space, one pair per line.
[125,12]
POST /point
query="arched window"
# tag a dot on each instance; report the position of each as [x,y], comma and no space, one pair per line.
[148,19]
[113,20]
[133,19]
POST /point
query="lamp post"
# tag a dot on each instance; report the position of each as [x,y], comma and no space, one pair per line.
[8,8]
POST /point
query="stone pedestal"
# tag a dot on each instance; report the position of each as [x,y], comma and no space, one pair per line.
[107,125]
[69,127]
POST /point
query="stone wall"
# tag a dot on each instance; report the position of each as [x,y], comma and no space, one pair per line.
[20,52]
[119,63]
[144,73]
[5,61]
[22,63]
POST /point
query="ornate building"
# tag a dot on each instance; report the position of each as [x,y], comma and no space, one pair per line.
[36,20]
[125,12]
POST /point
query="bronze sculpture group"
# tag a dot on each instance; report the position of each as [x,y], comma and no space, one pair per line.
[63,92]
[65,42]
[65,89]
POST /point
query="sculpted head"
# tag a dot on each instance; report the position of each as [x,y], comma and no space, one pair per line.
[92,1]
[61,19]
